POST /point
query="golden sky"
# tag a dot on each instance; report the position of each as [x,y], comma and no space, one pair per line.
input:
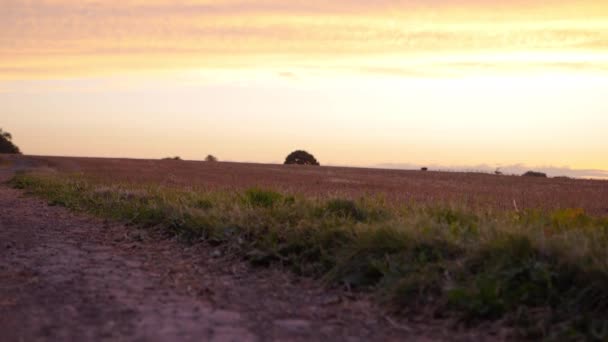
[360,82]
[59,38]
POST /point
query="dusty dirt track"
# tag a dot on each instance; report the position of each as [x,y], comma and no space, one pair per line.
[67,277]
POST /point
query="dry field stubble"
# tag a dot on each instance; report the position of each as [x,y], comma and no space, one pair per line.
[471,190]
[491,264]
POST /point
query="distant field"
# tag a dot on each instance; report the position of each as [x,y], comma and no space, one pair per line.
[471,190]
[474,247]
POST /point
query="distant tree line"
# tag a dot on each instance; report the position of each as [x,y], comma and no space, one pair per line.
[535,174]
[299,157]
[209,158]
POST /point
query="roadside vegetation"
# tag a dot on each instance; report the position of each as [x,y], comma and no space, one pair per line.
[543,273]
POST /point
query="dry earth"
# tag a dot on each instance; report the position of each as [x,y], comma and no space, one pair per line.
[69,277]
[472,190]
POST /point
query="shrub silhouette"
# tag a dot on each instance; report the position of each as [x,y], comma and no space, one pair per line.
[173,158]
[535,174]
[211,158]
[300,157]
[6,144]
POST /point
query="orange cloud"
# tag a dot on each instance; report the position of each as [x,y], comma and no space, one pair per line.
[62,38]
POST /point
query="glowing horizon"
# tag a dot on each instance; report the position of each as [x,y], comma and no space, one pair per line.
[357,83]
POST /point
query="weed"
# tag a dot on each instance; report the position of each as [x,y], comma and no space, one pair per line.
[456,221]
[567,218]
[262,198]
[346,209]
[545,272]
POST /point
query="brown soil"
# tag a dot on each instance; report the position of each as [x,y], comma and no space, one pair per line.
[473,190]
[68,277]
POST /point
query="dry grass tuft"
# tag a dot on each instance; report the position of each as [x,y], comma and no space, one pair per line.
[544,272]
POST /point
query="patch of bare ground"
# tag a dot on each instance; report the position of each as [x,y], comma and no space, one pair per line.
[69,277]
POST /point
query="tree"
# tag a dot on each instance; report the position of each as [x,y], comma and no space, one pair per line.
[6,144]
[6,135]
[211,158]
[300,157]
[535,174]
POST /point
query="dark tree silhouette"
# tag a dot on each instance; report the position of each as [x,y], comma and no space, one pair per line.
[6,144]
[6,135]
[211,158]
[535,174]
[301,158]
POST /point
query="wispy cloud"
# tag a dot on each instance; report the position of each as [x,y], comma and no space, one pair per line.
[66,37]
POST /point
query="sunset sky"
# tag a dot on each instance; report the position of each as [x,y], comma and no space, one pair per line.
[355,82]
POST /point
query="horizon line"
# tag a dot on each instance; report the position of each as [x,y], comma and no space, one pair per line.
[515,169]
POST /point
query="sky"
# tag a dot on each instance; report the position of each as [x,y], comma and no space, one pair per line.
[355,82]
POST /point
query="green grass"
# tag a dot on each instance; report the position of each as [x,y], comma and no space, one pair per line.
[544,273]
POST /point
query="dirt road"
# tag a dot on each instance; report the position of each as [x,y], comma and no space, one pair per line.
[69,277]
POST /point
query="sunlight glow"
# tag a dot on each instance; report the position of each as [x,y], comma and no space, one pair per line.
[459,82]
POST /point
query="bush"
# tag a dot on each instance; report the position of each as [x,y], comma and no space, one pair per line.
[211,158]
[6,144]
[301,158]
[535,174]
[520,268]
[345,209]
[262,198]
